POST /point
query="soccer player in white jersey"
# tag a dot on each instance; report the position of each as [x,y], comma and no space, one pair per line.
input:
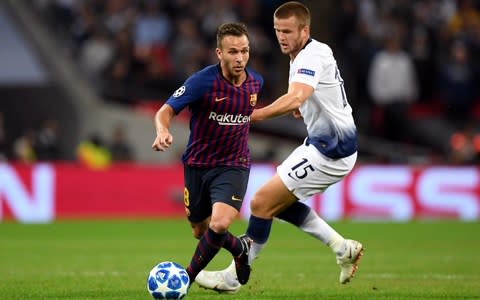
[315,93]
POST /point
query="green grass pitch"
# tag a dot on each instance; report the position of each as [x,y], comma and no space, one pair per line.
[110,259]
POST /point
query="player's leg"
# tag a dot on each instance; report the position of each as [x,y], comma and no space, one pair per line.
[226,187]
[198,229]
[307,220]
[272,198]
[348,252]
[306,172]
[238,247]
[222,216]
[198,206]
[229,187]
[267,201]
[213,238]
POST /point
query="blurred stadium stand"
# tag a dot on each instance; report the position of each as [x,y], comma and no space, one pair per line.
[67,97]
[51,75]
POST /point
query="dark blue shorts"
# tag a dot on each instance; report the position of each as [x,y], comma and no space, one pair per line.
[205,186]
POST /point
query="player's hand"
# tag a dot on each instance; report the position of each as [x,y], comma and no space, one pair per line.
[162,141]
[296,114]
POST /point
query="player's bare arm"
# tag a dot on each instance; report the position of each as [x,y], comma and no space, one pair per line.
[289,102]
[164,139]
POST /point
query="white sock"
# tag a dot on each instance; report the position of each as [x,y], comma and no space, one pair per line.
[318,228]
[255,248]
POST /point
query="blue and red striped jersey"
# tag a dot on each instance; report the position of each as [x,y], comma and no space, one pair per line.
[220,117]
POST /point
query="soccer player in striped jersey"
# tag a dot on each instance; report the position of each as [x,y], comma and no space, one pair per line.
[216,160]
[316,94]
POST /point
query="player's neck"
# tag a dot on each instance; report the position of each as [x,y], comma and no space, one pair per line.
[235,80]
[305,42]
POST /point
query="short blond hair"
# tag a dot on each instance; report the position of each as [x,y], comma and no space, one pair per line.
[296,9]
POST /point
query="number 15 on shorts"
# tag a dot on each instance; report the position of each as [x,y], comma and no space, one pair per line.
[301,170]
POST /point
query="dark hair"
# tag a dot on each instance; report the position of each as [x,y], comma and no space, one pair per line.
[235,29]
[296,9]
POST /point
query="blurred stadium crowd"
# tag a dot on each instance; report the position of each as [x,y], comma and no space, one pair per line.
[138,50]
[411,68]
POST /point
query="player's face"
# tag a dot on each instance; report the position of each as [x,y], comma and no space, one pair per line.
[233,55]
[290,35]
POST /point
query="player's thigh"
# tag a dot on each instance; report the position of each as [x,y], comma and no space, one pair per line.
[227,190]
[196,196]
[271,198]
[229,186]
[222,216]
[306,172]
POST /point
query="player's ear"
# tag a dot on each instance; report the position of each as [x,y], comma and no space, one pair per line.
[218,51]
[306,30]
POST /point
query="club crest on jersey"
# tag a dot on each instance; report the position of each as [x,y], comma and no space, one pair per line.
[306,72]
[253,99]
[179,91]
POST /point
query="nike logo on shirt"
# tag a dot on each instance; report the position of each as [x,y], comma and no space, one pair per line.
[236,199]
[220,99]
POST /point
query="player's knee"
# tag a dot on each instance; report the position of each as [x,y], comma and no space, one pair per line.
[220,225]
[260,208]
[255,205]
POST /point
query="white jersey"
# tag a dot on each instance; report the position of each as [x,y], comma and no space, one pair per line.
[326,113]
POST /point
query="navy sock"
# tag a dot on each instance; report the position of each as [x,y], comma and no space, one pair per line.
[295,213]
[259,229]
[207,247]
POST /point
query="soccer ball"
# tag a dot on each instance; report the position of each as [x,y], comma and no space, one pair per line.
[168,280]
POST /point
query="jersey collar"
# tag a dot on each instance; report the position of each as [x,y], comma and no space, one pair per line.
[219,68]
[308,42]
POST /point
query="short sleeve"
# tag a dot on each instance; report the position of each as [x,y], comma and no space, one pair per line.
[191,91]
[307,69]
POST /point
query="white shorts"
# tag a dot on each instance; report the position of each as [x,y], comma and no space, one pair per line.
[306,171]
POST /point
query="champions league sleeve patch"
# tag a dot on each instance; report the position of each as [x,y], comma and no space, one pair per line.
[179,91]
[306,72]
